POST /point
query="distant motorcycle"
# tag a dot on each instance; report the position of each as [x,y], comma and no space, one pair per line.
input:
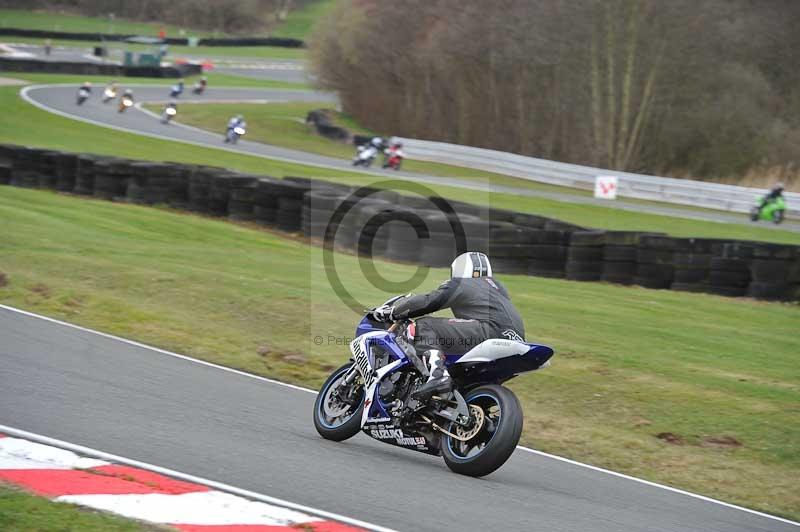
[169,113]
[772,210]
[176,91]
[234,133]
[365,155]
[394,159]
[124,103]
[199,87]
[83,95]
[109,94]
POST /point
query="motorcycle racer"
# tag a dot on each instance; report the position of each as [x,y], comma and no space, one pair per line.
[234,122]
[393,156]
[482,308]
[775,193]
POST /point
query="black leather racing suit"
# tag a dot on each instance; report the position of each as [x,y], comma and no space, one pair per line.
[482,310]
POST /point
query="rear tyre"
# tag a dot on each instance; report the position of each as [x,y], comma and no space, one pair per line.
[337,412]
[495,440]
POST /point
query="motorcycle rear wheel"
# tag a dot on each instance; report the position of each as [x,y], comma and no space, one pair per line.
[496,439]
[342,427]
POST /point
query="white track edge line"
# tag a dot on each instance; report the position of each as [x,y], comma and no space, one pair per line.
[307,390]
[25,96]
[190,478]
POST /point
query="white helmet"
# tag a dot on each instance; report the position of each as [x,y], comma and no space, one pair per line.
[471,264]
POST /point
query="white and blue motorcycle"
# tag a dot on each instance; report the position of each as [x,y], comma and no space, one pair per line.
[475,427]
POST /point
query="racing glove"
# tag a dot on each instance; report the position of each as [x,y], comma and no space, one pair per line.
[383,313]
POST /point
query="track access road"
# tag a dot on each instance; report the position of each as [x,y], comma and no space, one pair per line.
[129,400]
[60,99]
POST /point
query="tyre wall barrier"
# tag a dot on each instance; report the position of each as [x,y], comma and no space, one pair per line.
[253,41]
[383,223]
[181,41]
[9,64]
[321,120]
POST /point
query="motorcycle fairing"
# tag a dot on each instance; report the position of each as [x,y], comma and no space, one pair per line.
[497,360]
[363,349]
[768,209]
[385,431]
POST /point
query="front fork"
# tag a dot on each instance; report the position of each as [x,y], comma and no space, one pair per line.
[343,387]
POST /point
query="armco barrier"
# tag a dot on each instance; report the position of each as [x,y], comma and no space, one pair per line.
[9,64]
[670,190]
[386,224]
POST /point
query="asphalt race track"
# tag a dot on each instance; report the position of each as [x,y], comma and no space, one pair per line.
[61,99]
[100,392]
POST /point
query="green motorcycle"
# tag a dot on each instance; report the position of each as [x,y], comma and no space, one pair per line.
[772,210]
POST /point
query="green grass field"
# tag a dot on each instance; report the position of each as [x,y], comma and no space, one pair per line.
[23,512]
[300,22]
[719,375]
[55,21]
[297,26]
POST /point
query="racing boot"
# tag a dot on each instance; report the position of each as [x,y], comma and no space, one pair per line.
[439,380]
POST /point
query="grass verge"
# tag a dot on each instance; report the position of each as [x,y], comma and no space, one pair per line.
[215,79]
[26,124]
[177,51]
[282,124]
[55,21]
[23,512]
[692,390]
[300,22]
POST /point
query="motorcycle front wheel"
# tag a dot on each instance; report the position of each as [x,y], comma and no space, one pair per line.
[497,418]
[337,410]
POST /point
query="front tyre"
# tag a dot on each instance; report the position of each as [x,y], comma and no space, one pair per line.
[337,410]
[492,441]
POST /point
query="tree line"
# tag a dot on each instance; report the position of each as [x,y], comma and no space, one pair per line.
[709,88]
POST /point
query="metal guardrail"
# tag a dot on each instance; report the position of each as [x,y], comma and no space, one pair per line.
[666,189]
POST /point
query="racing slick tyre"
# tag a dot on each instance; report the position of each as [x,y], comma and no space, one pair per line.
[336,419]
[493,441]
